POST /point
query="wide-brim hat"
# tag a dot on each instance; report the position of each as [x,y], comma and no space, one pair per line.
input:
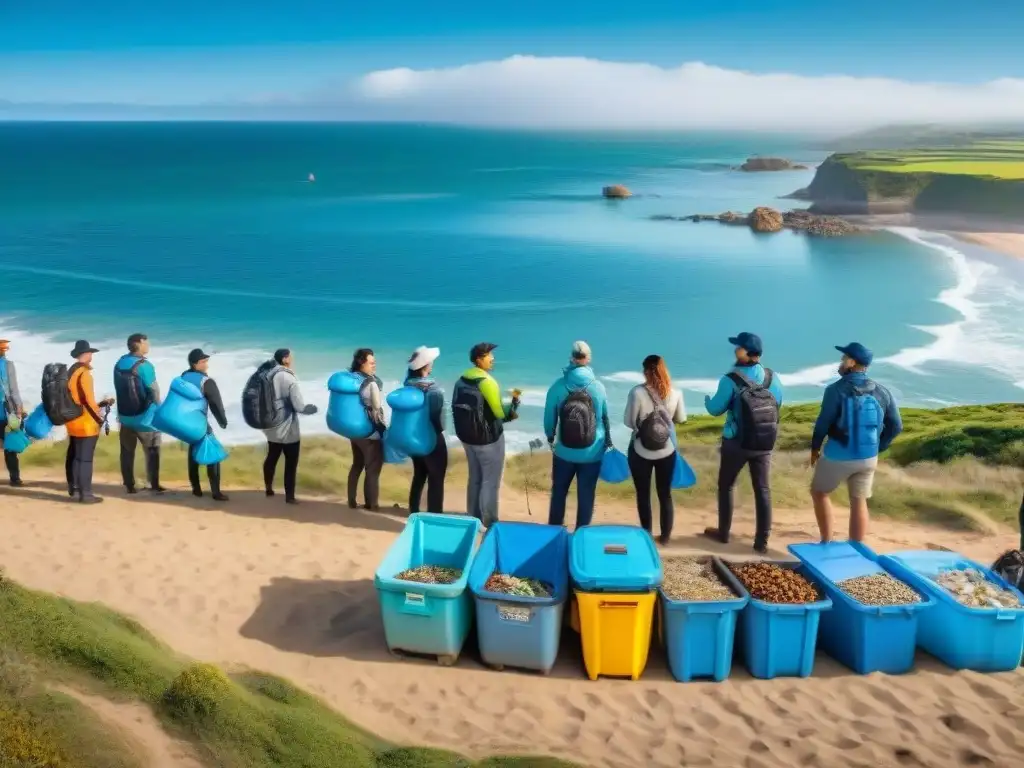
[82,347]
[423,356]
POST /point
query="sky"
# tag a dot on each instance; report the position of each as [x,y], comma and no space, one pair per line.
[534,62]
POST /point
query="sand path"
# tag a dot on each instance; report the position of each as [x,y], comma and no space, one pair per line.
[290,590]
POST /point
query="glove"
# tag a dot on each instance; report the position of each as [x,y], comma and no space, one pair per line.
[309,410]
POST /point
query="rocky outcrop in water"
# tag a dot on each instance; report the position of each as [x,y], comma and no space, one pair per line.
[616,192]
[766,219]
[756,164]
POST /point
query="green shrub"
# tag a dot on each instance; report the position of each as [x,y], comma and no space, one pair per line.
[198,690]
[25,741]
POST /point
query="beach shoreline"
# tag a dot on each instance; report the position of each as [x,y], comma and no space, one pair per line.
[1000,236]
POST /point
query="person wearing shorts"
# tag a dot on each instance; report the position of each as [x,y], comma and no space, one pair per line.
[859,420]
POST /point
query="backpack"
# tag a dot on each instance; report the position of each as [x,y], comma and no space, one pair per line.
[861,419]
[759,413]
[411,430]
[261,407]
[348,413]
[471,416]
[133,397]
[655,431]
[1010,567]
[60,407]
[577,418]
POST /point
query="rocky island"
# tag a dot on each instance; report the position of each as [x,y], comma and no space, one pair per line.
[765,219]
[757,164]
[616,192]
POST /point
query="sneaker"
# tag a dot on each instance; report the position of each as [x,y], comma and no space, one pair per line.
[197,492]
[90,500]
[72,491]
[17,483]
[157,489]
[714,533]
[270,492]
[220,497]
[761,547]
[292,500]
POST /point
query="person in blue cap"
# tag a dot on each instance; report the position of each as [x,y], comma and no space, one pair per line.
[750,396]
[858,420]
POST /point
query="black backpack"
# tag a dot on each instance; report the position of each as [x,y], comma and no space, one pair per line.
[60,407]
[578,419]
[470,414]
[133,397]
[260,407]
[655,431]
[759,413]
[1010,566]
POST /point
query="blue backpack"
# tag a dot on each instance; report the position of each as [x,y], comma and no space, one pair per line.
[859,428]
[347,414]
[411,430]
[182,414]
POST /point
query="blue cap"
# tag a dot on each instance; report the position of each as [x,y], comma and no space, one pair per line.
[751,342]
[857,352]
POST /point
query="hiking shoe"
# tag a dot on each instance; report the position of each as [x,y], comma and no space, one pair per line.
[292,500]
[197,492]
[90,500]
[17,483]
[158,489]
[717,535]
[220,497]
[131,490]
[270,492]
[761,547]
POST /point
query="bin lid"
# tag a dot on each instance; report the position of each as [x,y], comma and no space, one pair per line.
[836,561]
[614,558]
[930,562]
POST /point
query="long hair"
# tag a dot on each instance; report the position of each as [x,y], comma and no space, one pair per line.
[656,375]
[359,358]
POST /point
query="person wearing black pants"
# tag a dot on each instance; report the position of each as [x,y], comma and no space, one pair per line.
[652,410]
[428,470]
[283,440]
[198,365]
[368,452]
[10,406]
[734,459]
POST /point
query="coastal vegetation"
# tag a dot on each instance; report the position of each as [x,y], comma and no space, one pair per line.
[983,177]
[959,466]
[56,653]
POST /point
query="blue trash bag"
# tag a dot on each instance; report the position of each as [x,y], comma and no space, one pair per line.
[141,423]
[411,430]
[614,466]
[346,414]
[392,453]
[16,441]
[38,425]
[182,414]
[209,451]
[683,475]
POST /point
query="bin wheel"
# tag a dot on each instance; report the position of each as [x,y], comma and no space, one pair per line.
[447,660]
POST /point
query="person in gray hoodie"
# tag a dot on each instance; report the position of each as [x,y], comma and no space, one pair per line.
[11,406]
[284,438]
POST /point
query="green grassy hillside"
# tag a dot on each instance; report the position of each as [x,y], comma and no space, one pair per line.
[950,466]
[241,719]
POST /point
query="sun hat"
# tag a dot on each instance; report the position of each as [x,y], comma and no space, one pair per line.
[423,356]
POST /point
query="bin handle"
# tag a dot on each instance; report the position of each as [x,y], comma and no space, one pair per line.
[1004,615]
[618,604]
[415,603]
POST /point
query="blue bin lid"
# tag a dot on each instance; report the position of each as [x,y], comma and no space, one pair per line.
[930,562]
[614,558]
[836,561]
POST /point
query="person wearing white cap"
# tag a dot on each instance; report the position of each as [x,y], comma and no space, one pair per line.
[577,428]
[428,470]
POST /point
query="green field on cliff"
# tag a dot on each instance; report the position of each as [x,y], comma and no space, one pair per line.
[1000,159]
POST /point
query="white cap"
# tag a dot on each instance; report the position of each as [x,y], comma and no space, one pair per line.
[422,357]
[580,350]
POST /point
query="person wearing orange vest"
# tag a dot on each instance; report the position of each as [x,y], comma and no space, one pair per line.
[83,431]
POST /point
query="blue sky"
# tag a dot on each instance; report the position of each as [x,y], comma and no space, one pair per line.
[216,51]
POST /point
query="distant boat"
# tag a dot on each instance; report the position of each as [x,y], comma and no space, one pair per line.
[312,178]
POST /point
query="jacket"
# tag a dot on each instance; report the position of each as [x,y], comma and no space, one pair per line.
[288,394]
[573,378]
[373,402]
[81,386]
[214,401]
[832,402]
[639,405]
[435,399]
[10,395]
[725,401]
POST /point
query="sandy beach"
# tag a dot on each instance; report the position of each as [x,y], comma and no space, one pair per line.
[290,590]
[1008,243]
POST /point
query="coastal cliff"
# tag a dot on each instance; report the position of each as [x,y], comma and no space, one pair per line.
[859,183]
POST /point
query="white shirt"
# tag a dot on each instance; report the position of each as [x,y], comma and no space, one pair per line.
[639,405]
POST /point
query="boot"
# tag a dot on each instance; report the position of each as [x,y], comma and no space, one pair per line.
[13,468]
[153,470]
[85,494]
[213,472]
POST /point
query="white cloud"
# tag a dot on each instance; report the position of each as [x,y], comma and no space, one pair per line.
[526,91]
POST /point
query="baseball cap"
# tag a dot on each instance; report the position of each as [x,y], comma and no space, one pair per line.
[857,352]
[751,342]
[481,349]
[580,350]
[197,355]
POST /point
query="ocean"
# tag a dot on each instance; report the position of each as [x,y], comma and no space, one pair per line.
[211,235]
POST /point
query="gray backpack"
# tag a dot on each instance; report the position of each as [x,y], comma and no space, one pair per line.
[655,431]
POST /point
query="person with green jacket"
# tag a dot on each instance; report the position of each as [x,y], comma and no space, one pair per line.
[479,417]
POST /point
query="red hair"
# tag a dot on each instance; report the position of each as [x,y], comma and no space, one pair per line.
[656,375]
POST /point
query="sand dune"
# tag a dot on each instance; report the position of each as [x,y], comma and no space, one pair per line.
[290,590]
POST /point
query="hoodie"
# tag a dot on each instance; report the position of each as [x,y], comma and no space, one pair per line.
[577,377]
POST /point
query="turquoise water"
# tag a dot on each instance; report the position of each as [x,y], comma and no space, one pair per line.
[209,234]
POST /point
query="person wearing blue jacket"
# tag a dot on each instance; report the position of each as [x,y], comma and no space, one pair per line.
[577,427]
[130,368]
[858,420]
[761,424]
